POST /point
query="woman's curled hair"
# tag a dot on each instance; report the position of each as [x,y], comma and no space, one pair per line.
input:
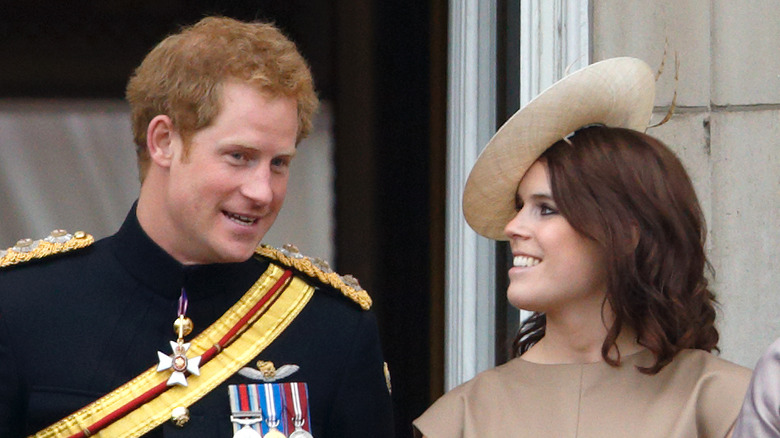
[628,192]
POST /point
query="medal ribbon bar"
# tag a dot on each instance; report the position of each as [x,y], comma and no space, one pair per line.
[299,420]
[246,409]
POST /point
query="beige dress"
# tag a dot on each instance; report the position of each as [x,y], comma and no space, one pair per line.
[697,395]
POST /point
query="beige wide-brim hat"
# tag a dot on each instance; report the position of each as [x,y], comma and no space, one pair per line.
[617,92]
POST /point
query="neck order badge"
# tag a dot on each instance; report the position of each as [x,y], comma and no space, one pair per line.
[178,361]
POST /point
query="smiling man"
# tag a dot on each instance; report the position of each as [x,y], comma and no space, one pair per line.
[212,199]
[180,324]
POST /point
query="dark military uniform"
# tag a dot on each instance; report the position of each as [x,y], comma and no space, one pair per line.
[75,327]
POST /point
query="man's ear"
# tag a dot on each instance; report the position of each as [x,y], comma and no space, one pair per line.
[161,139]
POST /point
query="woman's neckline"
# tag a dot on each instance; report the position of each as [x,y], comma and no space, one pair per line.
[623,358]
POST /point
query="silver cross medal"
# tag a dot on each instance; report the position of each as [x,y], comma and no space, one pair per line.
[178,361]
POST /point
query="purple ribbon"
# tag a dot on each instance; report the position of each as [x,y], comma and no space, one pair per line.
[183,303]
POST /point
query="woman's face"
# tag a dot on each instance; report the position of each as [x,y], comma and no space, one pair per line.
[555,269]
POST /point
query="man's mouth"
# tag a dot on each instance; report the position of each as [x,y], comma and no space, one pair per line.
[240,219]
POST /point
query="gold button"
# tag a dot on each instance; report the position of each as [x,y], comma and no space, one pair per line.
[80,235]
[180,416]
[182,326]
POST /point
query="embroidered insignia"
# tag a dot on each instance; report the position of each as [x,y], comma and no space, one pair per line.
[317,268]
[179,363]
[266,372]
[59,241]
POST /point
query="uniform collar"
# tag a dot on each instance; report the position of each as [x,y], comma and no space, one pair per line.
[161,273]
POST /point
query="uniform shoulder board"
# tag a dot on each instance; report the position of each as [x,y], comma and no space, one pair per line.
[58,242]
[317,268]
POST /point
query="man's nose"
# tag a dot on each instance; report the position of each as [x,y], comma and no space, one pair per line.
[257,186]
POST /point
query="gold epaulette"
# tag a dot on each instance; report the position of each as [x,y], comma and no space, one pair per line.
[317,268]
[58,242]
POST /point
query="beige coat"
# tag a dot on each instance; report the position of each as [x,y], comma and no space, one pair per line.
[696,395]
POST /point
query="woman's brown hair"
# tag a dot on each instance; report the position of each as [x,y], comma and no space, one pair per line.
[627,191]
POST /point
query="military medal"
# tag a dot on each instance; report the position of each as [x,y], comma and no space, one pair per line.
[270,410]
[178,361]
[272,403]
[273,432]
[294,390]
[300,433]
[246,431]
[247,416]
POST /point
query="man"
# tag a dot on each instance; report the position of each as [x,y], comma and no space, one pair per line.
[179,324]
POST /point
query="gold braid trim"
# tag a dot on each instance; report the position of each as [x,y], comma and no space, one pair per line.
[58,242]
[319,269]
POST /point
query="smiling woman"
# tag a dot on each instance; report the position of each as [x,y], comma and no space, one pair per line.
[607,239]
[559,269]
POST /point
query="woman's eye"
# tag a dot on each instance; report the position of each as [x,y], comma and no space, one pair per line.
[518,204]
[546,210]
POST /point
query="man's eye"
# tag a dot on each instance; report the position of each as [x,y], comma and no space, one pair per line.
[238,156]
[280,162]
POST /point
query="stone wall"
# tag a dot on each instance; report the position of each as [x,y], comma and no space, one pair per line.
[726,130]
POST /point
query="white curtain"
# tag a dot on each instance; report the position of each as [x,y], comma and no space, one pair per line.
[71,164]
[64,164]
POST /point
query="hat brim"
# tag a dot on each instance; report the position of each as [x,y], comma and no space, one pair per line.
[617,92]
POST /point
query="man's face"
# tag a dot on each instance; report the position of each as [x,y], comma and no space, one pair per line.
[225,194]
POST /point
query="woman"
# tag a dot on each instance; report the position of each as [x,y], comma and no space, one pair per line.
[607,239]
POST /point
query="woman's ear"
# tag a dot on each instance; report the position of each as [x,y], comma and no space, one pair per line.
[627,238]
[635,233]
[160,140]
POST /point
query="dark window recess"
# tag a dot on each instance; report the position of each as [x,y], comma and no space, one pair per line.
[85,48]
